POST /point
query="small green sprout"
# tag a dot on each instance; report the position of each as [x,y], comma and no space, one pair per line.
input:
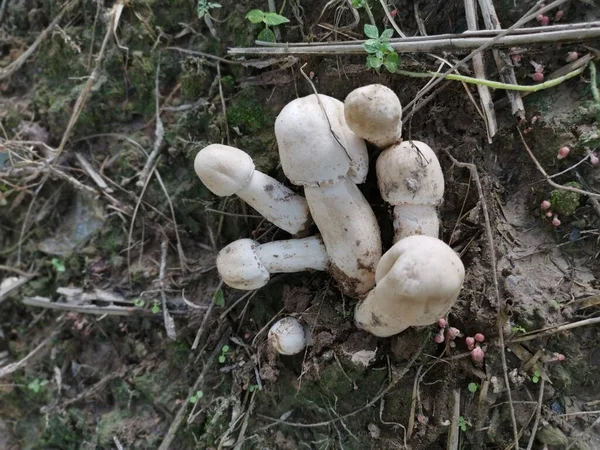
[37,385]
[518,329]
[463,424]
[139,303]
[204,7]
[359,3]
[536,376]
[254,387]
[223,355]
[58,265]
[219,298]
[155,307]
[257,16]
[197,396]
[473,387]
[380,50]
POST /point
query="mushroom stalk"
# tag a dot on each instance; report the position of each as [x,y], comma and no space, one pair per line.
[319,151]
[415,219]
[418,280]
[245,264]
[226,171]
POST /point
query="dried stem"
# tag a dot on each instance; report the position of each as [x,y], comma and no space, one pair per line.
[553,330]
[537,415]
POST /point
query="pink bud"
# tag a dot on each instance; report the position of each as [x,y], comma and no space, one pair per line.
[516,58]
[439,338]
[477,354]
[479,337]
[453,333]
[549,214]
[560,356]
[558,14]
[546,205]
[594,158]
[556,222]
[470,343]
[545,21]
[442,323]
[572,56]
[563,152]
[539,17]
[538,77]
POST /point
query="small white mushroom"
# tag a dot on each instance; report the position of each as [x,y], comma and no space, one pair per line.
[374,113]
[410,178]
[226,170]
[322,154]
[288,336]
[245,264]
[418,281]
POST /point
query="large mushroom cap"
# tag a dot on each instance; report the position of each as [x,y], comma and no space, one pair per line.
[223,169]
[418,281]
[310,154]
[374,113]
[239,265]
[410,172]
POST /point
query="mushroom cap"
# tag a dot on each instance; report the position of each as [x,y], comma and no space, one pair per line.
[418,281]
[239,265]
[224,170]
[409,172]
[287,336]
[374,113]
[310,155]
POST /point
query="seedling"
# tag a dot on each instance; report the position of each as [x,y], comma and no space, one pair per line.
[463,424]
[473,387]
[518,329]
[58,265]
[37,385]
[257,16]
[359,3]
[219,298]
[380,50]
[223,355]
[155,307]
[197,396]
[204,7]
[139,303]
[536,376]
[254,387]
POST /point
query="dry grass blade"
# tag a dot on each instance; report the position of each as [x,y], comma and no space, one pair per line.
[168,319]
[454,434]
[556,329]
[10,368]
[537,415]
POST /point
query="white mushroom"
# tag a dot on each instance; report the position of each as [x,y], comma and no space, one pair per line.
[322,154]
[418,281]
[374,113]
[245,264]
[226,170]
[288,336]
[410,178]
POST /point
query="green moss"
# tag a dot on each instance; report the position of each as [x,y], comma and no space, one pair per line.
[565,202]
[65,431]
[108,426]
[194,78]
[248,114]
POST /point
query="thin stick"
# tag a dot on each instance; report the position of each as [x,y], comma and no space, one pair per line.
[391,19]
[553,330]
[479,68]
[505,69]
[205,318]
[223,106]
[548,179]
[501,305]
[454,433]
[593,85]
[10,368]
[537,415]
[85,165]
[182,411]
[167,319]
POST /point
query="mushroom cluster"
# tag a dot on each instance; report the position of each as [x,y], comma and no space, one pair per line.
[323,149]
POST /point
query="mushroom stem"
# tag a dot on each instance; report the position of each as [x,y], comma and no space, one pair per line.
[226,171]
[293,255]
[418,280]
[347,222]
[415,219]
[245,264]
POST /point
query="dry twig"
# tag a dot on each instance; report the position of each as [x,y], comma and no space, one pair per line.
[537,415]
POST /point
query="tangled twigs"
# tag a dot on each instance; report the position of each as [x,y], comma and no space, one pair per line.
[501,306]
[555,329]
[548,178]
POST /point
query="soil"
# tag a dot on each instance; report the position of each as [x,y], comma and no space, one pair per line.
[165,336]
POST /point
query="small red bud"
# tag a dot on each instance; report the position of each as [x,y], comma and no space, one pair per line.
[479,337]
[538,77]
[477,354]
[393,12]
[558,14]
[516,58]
[545,21]
[563,152]
[453,333]
[470,343]
[572,56]
[442,323]
[556,222]
[549,214]
[594,159]
[560,356]
[439,338]
[311,75]
[539,17]
[546,205]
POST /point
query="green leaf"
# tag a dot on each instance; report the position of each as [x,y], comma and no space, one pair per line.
[387,34]
[222,359]
[58,265]
[392,61]
[255,16]
[139,303]
[387,47]
[155,308]
[370,48]
[379,54]
[266,35]
[219,298]
[371,31]
[358,3]
[473,387]
[274,19]
[225,348]
[374,62]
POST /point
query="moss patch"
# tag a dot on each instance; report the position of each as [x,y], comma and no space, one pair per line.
[565,202]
